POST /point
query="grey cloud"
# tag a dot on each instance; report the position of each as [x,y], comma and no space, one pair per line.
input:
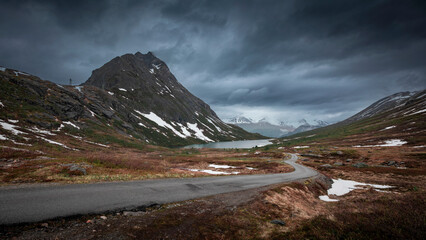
[320,58]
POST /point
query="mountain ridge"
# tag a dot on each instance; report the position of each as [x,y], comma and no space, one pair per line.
[399,116]
[112,106]
[264,127]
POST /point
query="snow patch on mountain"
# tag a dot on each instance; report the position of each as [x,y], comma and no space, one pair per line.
[160,122]
[198,132]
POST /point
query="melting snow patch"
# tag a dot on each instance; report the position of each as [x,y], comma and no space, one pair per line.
[156,66]
[1,104]
[424,110]
[102,145]
[76,137]
[78,88]
[18,143]
[220,166]
[17,73]
[212,172]
[56,143]
[160,122]
[327,199]
[250,168]
[422,146]
[13,121]
[151,71]
[388,143]
[72,124]
[59,128]
[11,127]
[2,137]
[184,130]
[111,93]
[218,128]
[211,130]
[198,132]
[301,147]
[341,187]
[122,89]
[36,130]
[386,128]
[91,112]
[141,124]
[136,116]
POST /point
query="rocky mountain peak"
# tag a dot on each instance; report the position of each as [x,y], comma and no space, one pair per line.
[131,71]
[303,122]
[321,123]
[148,58]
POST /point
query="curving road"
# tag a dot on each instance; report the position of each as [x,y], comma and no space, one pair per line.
[33,204]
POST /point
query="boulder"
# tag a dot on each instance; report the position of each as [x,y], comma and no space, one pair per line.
[391,163]
[338,164]
[129,213]
[75,169]
[278,222]
[360,165]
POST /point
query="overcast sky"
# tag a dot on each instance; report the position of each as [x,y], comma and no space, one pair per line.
[284,60]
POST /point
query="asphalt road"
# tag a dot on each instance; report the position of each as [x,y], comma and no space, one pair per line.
[33,204]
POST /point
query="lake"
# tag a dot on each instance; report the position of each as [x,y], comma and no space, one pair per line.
[233,144]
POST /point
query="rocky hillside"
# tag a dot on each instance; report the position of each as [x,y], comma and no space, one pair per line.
[130,101]
[394,101]
[398,118]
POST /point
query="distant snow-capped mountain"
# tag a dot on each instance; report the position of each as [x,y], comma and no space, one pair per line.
[266,128]
[307,126]
[239,120]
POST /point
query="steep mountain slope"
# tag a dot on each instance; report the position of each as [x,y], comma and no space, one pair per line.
[399,117]
[131,101]
[385,104]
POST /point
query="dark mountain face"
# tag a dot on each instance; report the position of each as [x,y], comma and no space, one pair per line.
[152,85]
[131,100]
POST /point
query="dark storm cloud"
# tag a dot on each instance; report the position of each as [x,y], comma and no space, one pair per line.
[313,59]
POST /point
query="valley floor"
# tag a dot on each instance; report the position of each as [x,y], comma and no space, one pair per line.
[283,211]
[20,166]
